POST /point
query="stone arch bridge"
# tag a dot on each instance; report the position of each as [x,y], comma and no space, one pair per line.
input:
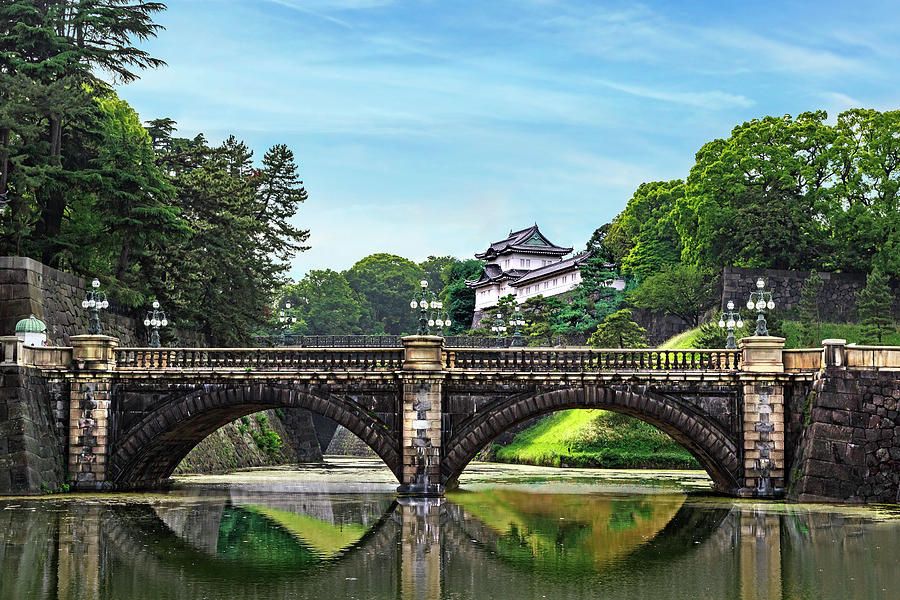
[426,410]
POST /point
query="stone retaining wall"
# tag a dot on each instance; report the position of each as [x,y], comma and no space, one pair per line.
[344,443]
[33,414]
[850,447]
[837,300]
[232,447]
[28,287]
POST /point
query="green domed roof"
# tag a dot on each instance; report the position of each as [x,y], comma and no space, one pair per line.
[30,325]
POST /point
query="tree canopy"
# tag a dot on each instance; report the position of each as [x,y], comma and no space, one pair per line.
[387,283]
[682,290]
[779,192]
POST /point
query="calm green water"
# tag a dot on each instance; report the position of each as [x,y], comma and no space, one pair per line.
[508,533]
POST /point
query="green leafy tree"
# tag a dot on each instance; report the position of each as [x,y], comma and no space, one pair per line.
[324,303]
[458,298]
[761,197]
[544,320]
[874,305]
[865,215]
[645,231]
[682,290]
[387,283]
[618,330]
[808,307]
[134,198]
[434,267]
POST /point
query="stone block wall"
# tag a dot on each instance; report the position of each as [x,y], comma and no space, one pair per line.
[33,413]
[660,326]
[837,301]
[230,448]
[28,287]
[344,443]
[850,447]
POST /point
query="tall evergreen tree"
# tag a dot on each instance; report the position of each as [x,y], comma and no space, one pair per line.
[58,47]
[874,305]
[810,315]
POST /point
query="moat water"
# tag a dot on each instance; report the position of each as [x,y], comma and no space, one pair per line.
[510,532]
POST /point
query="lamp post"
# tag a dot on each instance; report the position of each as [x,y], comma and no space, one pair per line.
[95,301]
[733,319]
[761,300]
[155,319]
[517,321]
[286,319]
[499,326]
[423,300]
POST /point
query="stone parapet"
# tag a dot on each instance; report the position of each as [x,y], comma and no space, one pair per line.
[423,353]
[94,352]
[762,354]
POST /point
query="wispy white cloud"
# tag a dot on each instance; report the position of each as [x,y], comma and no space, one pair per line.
[767,54]
[416,119]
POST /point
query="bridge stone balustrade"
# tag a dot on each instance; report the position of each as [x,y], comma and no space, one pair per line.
[752,417]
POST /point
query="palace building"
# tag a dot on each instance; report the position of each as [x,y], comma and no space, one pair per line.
[527,264]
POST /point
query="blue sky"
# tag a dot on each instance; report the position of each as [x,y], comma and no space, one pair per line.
[435,127]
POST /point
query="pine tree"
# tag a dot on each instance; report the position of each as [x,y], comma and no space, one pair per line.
[810,315]
[618,330]
[874,305]
[58,47]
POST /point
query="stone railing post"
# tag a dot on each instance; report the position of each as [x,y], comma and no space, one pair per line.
[762,367]
[834,352]
[11,350]
[421,415]
[94,366]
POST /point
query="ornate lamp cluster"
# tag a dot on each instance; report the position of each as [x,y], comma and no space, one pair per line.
[499,326]
[516,321]
[286,320]
[730,319]
[95,301]
[423,301]
[761,300]
[155,319]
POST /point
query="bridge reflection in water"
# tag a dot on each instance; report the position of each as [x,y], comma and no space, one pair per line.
[500,543]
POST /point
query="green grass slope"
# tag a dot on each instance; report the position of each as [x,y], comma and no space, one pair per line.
[595,438]
[793,338]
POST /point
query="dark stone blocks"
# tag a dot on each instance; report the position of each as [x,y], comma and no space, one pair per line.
[851,450]
[32,452]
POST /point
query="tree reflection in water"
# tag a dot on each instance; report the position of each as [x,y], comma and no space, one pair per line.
[239,545]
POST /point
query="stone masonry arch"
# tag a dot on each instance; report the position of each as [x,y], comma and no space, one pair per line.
[705,439]
[149,451]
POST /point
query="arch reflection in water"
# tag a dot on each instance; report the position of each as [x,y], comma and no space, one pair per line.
[493,544]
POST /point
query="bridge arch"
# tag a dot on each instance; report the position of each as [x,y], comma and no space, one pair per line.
[706,440]
[148,453]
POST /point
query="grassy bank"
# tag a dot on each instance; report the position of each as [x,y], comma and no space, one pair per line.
[792,331]
[595,438]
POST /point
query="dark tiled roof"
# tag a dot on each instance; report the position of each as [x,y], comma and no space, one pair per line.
[557,267]
[525,240]
[493,273]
